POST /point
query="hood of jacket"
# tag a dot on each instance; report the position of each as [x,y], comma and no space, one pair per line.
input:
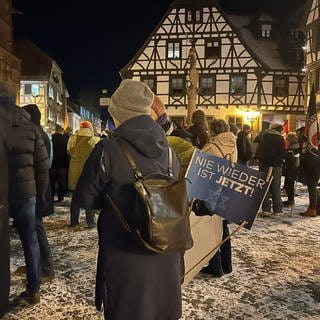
[34,112]
[19,116]
[225,140]
[272,131]
[144,134]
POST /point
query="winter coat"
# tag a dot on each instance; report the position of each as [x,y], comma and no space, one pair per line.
[29,163]
[292,161]
[271,151]
[227,144]
[5,127]
[44,201]
[244,147]
[79,147]
[60,156]
[183,148]
[137,283]
[199,134]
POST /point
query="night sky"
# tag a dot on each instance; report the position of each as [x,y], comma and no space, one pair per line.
[92,40]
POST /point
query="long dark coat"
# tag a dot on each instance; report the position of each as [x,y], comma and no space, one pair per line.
[134,283]
[4,234]
[44,203]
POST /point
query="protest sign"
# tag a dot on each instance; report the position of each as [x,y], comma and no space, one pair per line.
[231,190]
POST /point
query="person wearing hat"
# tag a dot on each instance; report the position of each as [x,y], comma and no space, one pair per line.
[131,281]
[79,147]
[272,153]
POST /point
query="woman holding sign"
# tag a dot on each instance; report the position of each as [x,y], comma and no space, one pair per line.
[222,143]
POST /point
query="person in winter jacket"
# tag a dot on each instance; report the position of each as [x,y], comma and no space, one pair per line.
[60,163]
[43,208]
[272,154]
[7,98]
[132,281]
[80,145]
[29,167]
[291,166]
[244,146]
[199,129]
[222,143]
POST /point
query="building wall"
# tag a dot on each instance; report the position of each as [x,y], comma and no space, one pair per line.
[10,65]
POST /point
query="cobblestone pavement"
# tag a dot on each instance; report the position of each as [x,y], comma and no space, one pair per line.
[276,273]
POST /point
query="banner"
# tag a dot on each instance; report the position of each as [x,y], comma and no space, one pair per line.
[231,190]
[311,127]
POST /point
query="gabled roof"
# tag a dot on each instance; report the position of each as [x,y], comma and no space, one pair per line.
[266,50]
[35,63]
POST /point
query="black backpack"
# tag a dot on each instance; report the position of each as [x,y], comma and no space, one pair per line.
[162,212]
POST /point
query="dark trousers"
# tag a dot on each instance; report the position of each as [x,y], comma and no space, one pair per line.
[312,183]
[4,260]
[274,191]
[289,186]
[75,214]
[47,268]
[221,262]
[24,216]
[58,179]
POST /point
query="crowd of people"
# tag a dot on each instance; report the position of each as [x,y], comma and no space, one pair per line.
[37,167]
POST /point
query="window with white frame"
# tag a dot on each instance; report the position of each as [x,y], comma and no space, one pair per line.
[280,86]
[207,85]
[194,15]
[266,30]
[213,49]
[237,85]
[50,93]
[177,86]
[33,89]
[174,50]
[150,81]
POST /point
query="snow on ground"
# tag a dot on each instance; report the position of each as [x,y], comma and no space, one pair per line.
[276,273]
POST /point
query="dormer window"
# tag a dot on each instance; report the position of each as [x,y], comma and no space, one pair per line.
[194,15]
[266,30]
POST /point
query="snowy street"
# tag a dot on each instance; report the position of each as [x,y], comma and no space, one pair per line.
[276,272]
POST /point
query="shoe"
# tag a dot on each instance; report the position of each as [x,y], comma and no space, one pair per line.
[288,203]
[91,226]
[207,270]
[45,279]
[264,214]
[309,213]
[74,226]
[26,298]
[278,214]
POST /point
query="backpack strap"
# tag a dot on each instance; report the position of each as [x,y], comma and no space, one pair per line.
[137,174]
[226,156]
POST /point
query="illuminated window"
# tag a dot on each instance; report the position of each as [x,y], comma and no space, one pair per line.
[266,30]
[207,85]
[280,86]
[177,86]
[237,85]
[213,49]
[174,50]
[50,93]
[32,89]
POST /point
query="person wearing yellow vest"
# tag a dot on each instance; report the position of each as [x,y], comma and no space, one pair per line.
[80,145]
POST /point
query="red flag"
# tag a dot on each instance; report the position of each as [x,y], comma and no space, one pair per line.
[285,132]
[311,127]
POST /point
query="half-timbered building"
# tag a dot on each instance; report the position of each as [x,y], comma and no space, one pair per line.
[250,68]
[312,49]
[42,83]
